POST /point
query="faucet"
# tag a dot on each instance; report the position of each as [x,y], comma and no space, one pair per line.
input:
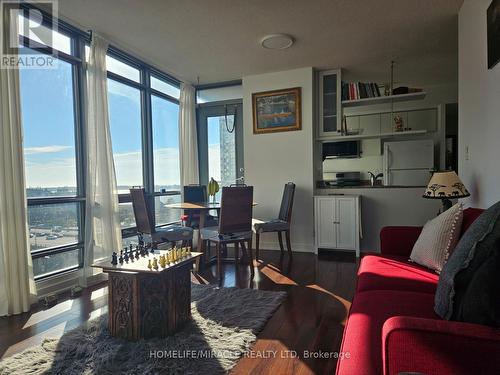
[373,178]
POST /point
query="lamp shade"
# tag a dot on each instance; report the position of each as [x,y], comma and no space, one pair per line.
[445,185]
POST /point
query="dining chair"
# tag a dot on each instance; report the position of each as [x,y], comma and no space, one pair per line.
[235,224]
[196,194]
[279,225]
[145,224]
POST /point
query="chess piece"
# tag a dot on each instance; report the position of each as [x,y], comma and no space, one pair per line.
[126,257]
[155,263]
[189,250]
[183,252]
[114,259]
[149,264]
[121,257]
[163,262]
[137,255]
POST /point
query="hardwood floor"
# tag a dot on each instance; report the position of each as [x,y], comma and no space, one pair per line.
[310,321]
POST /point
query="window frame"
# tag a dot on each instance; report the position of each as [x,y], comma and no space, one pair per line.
[79,39]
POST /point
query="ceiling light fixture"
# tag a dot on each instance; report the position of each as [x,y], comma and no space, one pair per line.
[277,41]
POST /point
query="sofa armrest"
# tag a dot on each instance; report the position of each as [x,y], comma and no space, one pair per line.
[398,240]
[433,346]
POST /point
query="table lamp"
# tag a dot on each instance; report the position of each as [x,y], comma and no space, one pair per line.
[445,186]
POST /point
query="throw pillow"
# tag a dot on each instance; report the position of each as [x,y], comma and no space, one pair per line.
[438,238]
[481,236]
[477,288]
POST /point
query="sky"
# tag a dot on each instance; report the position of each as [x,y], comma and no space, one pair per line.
[49,142]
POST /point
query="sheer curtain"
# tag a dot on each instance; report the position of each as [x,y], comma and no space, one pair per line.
[102,226]
[187,136]
[17,287]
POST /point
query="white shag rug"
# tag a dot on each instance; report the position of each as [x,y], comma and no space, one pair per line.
[225,322]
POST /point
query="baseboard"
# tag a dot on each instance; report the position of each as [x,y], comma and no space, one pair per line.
[296,247]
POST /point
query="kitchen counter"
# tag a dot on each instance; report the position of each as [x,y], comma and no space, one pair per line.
[387,205]
[365,185]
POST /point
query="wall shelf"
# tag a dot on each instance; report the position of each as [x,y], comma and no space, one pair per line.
[370,136]
[384,99]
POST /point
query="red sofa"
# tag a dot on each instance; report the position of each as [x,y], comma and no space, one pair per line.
[392,326]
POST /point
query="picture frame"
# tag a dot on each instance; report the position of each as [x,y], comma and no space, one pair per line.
[493,31]
[277,111]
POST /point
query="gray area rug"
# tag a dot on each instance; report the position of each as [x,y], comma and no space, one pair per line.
[224,325]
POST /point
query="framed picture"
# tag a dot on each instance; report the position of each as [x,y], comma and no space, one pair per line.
[493,25]
[276,111]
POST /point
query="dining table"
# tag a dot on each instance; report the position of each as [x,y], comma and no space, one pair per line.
[204,207]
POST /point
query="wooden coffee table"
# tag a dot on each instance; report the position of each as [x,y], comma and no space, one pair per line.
[145,303]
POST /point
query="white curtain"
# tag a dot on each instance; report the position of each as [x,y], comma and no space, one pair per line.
[187,135]
[102,229]
[17,287]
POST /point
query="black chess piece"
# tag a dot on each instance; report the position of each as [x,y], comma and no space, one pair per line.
[114,259]
[126,257]
[121,257]
[137,255]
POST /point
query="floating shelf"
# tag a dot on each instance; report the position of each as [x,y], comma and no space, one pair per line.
[370,136]
[384,99]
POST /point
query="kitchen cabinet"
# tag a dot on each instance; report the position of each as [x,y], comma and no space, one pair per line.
[329,95]
[337,222]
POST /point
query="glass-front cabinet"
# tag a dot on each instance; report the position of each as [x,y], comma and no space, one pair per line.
[330,110]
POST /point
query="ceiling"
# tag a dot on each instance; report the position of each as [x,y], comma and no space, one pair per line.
[218,40]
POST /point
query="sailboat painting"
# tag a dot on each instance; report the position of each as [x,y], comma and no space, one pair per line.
[276,111]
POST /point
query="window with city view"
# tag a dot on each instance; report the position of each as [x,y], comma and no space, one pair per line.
[221,150]
[48,116]
[51,102]
[165,121]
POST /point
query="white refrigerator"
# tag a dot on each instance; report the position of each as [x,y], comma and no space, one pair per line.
[408,163]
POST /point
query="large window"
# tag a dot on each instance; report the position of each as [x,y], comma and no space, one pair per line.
[49,130]
[52,157]
[126,124]
[143,113]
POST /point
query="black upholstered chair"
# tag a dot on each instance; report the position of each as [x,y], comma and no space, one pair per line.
[235,224]
[279,225]
[145,224]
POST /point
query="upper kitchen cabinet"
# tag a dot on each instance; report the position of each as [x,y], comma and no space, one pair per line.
[329,99]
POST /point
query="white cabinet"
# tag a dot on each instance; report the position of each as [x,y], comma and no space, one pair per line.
[337,222]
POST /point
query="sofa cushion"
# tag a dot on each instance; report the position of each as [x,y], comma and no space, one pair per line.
[438,238]
[477,288]
[363,331]
[393,272]
[481,236]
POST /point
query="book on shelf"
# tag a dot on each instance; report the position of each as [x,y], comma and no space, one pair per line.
[359,90]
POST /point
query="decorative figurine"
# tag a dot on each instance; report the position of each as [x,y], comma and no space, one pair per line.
[114,259]
[149,264]
[155,263]
[398,124]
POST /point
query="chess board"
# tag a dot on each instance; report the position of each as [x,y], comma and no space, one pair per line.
[141,264]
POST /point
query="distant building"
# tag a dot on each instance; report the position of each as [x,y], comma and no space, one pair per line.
[227,151]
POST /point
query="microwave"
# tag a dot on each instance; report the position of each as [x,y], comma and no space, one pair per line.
[343,149]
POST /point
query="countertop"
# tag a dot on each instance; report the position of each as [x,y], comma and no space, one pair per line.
[364,185]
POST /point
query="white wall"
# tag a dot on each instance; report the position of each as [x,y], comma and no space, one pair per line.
[479,108]
[273,159]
